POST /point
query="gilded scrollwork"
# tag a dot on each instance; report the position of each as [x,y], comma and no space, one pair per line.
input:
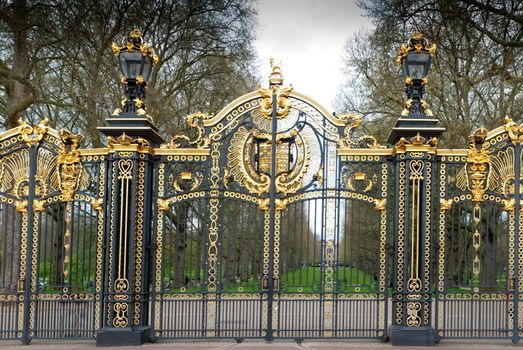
[32,134]
[163,205]
[360,181]
[186,181]
[120,315]
[249,155]
[509,205]
[514,131]
[226,177]
[280,204]
[15,173]
[70,171]
[478,164]
[135,43]
[330,253]
[445,204]
[416,43]
[380,204]
[353,121]
[413,311]
[283,104]
[195,121]
[97,204]
[21,206]
[502,174]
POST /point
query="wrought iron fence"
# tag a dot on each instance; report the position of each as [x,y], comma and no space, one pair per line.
[276,219]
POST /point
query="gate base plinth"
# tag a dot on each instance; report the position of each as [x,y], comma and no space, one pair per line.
[122,336]
[414,336]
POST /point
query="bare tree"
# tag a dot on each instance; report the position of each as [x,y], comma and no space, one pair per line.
[474,81]
[56,60]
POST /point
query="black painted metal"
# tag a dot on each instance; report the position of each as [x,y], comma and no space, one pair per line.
[27,283]
[483,305]
[332,270]
[514,289]
[272,211]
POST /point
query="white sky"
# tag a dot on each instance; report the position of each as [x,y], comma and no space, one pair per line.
[307,37]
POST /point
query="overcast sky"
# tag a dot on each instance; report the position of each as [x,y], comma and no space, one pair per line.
[307,37]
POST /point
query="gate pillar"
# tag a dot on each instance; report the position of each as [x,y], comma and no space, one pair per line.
[415,139]
[131,136]
[412,294]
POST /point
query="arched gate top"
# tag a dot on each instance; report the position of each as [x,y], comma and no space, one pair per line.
[256,95]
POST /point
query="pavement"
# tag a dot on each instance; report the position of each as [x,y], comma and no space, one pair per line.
[257,344]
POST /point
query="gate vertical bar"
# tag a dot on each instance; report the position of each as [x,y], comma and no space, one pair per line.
[28,303]
[518,285]
[272,213]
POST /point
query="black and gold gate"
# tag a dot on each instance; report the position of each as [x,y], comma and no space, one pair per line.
[271,223]
[480,246]
[51,235]
[272,219]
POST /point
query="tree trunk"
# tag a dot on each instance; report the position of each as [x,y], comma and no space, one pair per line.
[58,213]
[198,259]
[180,243]
[230,263]
[19,94]
[489,252]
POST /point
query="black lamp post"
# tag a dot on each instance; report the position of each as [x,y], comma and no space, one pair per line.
[414,57]
[136,61]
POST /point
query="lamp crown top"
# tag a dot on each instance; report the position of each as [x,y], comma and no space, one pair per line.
[417,43]
[417,36]
[276,76]
[135,34]
[135,43]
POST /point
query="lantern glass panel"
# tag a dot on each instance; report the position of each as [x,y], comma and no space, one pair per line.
[147,69]
[131,64]
[416,65]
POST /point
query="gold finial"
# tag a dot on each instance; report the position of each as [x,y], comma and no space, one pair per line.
[276,77]
[416,36]
[481,133]
[507,120]
[135,34]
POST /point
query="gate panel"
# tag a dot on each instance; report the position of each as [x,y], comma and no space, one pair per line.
[476,301]
[292,208]
[51,235]
[195,300]
[208,265]
[11,304]
[477,273]
[67,237]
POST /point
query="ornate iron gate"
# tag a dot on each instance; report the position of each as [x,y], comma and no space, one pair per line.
[266,225]
[273,219]
[52,235]
[479,256]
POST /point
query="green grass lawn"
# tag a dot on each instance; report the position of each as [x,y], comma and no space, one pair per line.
[304,280]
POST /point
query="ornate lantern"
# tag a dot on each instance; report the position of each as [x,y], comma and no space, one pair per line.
[136,60]
[415,57]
